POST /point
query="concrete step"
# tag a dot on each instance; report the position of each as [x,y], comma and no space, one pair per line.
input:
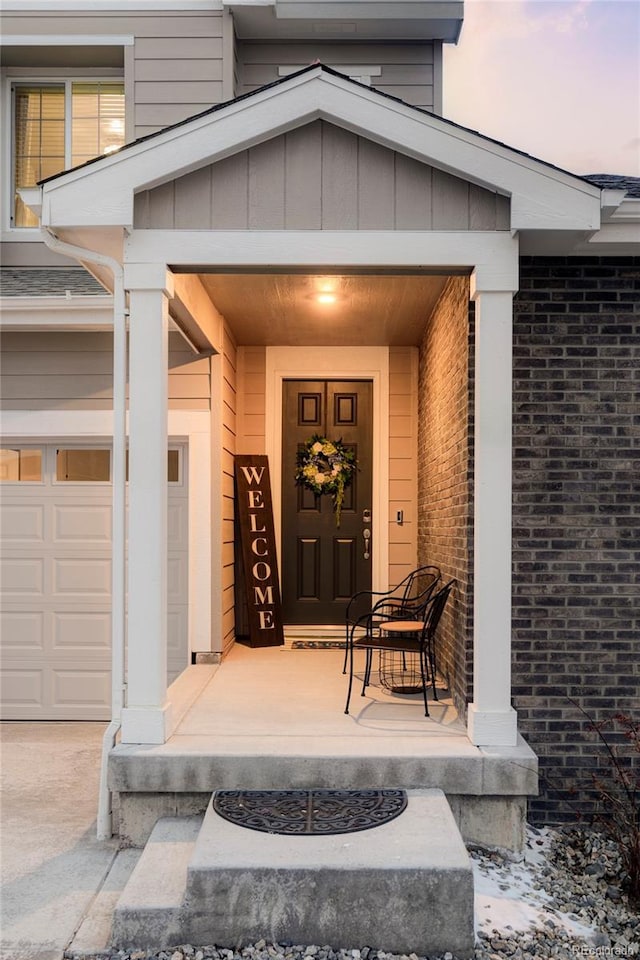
[405,886]
[150,911]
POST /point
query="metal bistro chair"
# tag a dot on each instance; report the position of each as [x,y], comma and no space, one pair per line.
[401,601]
[406,636]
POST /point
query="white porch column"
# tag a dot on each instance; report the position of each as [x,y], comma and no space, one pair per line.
[491,718]
[147,715]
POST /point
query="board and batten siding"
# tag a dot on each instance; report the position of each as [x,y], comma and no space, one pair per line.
[406,69]
[173,70]
[74,371]
[320,177]
[224,460]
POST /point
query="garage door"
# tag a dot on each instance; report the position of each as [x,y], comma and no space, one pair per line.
[55,586]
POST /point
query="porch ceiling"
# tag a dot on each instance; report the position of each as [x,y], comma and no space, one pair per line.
[284,309]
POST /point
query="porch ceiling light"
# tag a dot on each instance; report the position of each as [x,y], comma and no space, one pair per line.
[326,291]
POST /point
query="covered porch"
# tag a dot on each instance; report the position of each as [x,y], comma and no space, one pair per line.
[273,718]
[255,189]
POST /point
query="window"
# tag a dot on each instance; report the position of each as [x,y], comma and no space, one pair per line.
[60,125]
[83,465]
[19,465]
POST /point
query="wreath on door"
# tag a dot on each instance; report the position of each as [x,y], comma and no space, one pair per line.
[326,466]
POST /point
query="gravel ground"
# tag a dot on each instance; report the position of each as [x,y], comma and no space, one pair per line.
[565,900]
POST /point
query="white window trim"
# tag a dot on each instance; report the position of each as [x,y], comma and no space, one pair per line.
[192,426]
[360,72]
[13,78]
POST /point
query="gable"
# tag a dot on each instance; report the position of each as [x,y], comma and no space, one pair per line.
[102,193]
[320,177]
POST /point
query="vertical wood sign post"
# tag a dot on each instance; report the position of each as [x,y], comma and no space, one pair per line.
[258,543]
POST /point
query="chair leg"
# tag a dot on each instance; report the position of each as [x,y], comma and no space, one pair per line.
[424,682]
[346,649]
[432,668]
[367,672]
[349,652]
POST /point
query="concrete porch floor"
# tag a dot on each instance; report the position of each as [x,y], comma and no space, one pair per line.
[273,718]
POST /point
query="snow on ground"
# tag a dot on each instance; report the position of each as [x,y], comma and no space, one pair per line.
[509,897]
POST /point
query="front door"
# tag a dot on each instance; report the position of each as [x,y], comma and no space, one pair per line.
[323,564]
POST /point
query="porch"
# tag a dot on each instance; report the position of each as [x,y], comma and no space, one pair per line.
[273,718]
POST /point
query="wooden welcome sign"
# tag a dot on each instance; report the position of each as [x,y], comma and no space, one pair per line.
[258,552]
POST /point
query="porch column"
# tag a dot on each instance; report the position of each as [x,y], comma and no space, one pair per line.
[147,715]
[491,718]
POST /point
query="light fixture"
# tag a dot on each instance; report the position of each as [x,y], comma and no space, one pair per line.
[326,290]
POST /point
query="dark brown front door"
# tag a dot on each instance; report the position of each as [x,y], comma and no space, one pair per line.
[323,564]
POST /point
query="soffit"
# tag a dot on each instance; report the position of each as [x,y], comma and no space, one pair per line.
[283,309]
[344,21]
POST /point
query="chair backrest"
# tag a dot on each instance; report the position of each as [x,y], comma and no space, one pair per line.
[435,609]
[419,581]
[415,607]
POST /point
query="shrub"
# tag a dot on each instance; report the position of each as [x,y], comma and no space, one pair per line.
[617,790]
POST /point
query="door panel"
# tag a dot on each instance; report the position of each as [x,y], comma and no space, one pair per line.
[323,565]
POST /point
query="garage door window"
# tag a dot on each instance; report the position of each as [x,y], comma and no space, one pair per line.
[20,465]
[83,465]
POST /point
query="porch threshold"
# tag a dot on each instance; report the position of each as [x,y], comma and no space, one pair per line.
[271,719]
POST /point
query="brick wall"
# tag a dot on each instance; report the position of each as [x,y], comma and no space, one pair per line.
[576,605]
[444,475]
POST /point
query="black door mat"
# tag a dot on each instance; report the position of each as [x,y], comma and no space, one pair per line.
[309,812]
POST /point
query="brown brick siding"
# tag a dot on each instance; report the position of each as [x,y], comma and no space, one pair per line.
[444,477]
[576,536]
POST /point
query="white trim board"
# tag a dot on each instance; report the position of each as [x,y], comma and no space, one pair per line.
[365,363]
[68,40]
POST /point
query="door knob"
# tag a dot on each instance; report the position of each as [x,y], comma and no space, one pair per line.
[367,541]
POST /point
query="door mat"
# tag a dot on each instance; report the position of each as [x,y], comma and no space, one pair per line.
[317,644]
[309,812]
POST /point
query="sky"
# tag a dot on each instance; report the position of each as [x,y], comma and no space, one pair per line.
[559,79]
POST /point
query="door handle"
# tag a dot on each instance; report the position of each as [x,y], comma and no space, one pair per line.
[367,542]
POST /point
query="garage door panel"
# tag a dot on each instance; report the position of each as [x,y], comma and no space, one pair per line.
[178,524]
[176,629]
[176,579]
[82,633]
[82,686]
[22,524]
[21,687]
[81,577]
[81,524]
[55,578]
[21,577]
[21,630]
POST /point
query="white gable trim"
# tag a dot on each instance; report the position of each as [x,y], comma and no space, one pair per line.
[102,193]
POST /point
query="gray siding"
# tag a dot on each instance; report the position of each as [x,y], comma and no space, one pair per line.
[407,68]
[176,65]
[72,371]
[320,177]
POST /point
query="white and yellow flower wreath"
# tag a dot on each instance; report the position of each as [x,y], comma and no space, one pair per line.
[326,466]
